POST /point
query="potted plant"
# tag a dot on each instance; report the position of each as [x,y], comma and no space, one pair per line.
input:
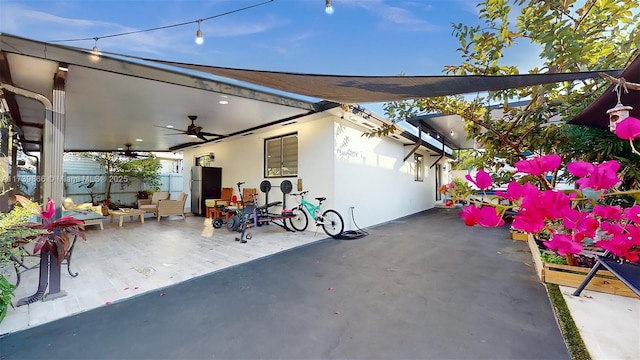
[17,229]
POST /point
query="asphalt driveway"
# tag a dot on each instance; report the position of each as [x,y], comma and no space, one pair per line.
[421,287]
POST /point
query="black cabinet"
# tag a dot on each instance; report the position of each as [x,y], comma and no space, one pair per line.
[206,183]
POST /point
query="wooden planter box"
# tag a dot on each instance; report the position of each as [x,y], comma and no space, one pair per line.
[573,276]
[520,236]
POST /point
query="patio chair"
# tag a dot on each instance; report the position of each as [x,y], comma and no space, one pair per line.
[214,206]
[248,196]
[172,207]
[151,205]
[627,272]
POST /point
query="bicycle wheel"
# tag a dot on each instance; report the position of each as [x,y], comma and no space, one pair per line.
[300,221]
[332,223]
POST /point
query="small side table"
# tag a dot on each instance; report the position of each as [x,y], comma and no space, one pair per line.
[130,213]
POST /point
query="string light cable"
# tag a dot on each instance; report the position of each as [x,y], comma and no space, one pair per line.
[198,33]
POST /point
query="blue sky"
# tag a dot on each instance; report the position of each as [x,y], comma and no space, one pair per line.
[361,37]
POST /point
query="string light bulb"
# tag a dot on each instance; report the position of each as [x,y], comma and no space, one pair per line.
[328,8]
[95,52]
[199,38]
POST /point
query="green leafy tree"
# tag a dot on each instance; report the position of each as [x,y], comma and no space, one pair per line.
[116,166]
[572,36]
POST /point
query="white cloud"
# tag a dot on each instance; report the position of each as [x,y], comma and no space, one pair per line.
[395,17]
[221,28]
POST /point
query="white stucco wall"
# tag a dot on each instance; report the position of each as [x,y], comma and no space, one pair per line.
[242,160]
[371,177]
[335,162]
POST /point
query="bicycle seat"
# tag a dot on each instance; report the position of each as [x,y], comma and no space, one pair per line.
[321,198]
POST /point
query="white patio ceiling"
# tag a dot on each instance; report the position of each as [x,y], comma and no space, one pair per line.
[111,102]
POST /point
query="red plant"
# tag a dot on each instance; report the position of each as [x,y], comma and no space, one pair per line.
[54,232]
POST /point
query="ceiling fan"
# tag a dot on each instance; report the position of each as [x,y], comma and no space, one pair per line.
[129,153]
[193,130]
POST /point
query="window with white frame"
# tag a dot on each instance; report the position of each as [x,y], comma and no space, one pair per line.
[419,164]
[281,156]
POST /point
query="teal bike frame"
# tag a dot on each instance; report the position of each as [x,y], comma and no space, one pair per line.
[330,220]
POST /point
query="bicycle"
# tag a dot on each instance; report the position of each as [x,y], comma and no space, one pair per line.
[330,220]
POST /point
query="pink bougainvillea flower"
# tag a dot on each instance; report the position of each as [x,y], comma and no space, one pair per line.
[555,203]
[528,220]
[483,180]
[628,129]
[470,214]
[539,165]
[632,214]
[596,177]
[485,216]
[515,191]
[611,228]
[583,224]
[580,168]
[564,244]
[608,212]
[621,245]
[634,233]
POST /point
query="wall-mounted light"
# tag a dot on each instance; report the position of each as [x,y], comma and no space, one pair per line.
[452,133]
[199,38]
[328,8]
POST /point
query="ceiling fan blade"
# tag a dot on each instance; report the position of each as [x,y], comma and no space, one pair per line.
[210,134]
[200,136]
[167,128]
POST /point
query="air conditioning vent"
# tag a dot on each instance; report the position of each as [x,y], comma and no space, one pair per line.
[367,125]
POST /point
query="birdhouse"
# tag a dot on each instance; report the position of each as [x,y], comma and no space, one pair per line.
[617,114]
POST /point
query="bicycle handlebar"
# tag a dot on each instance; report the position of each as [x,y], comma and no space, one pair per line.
[300,193]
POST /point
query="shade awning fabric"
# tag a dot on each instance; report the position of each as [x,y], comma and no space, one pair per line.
[595,115]
[373,89]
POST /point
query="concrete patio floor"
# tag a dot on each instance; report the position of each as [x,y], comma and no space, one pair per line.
[401,278]
[121,262]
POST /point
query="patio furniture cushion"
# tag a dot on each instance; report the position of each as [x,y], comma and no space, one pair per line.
[68,204]
[225,198]
[151,205]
